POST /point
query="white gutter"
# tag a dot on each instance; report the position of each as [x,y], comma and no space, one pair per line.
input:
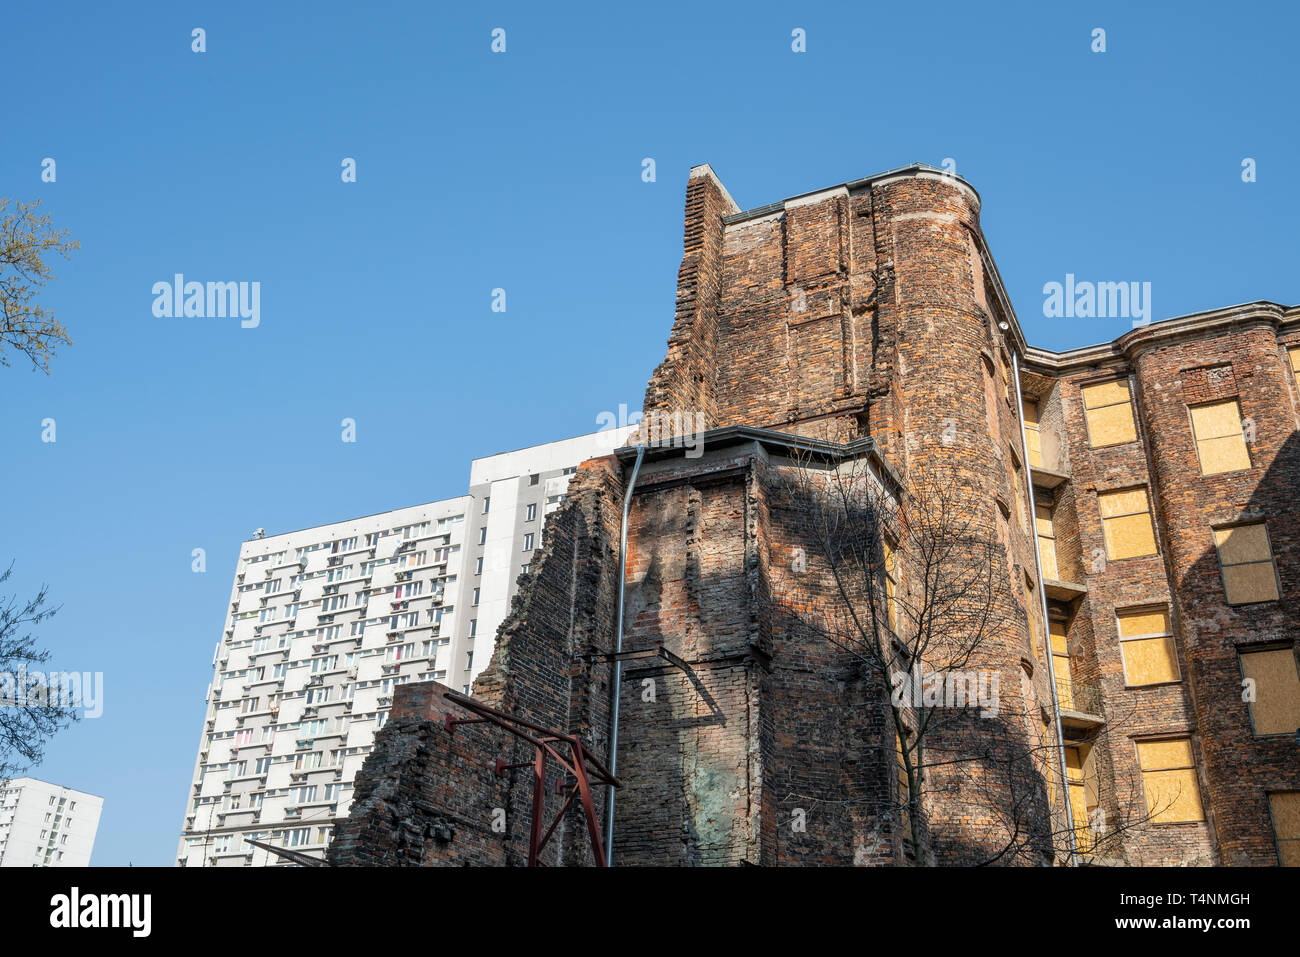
[1042,597]
[618,665]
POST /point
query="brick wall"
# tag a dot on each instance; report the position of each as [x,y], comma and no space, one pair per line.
[865,312]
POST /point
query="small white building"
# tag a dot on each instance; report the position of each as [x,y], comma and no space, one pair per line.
[46,825]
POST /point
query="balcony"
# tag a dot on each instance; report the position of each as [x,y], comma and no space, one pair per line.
[1064,591]
[1080,704]
[1047,478]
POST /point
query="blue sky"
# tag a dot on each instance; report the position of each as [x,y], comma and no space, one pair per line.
[521,171]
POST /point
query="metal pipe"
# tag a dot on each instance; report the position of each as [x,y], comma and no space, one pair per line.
[618,665]
[1042,596]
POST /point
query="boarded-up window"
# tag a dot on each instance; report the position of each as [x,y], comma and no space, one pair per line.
[1049,768]
[1220,442]
[1147,647]
[1061,665]
[1276,708]
[1082,797]
[1108,407]
[1031,605]
[1246,560]
[1169,780]
[1033,436]
[1285,808]
[891,582]
[1126,523]
[1046,541]
[1018,477]
[1294,352]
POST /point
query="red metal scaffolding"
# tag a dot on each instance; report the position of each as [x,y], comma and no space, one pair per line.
[578,764]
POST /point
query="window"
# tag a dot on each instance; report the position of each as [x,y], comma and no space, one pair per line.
[1294,353]
[1126,523]
[1147,647]
[534,478]
[531,513]
[1033,437]
[523,569]
[473,627]
[1018,477]
[891,582]
[308,761]
[1083,793]
[476,593]
[1031,606]
[1061,665]
[469,660]
[529,539]
[1169,780]
[1276,708]
[482,535]
[1220,440]
[1046,541]
[1246,561]
[1108,409]
[1285,809]
[487,504]
[570,470]
[478,566]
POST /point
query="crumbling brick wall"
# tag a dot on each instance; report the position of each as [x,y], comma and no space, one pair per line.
[427,795]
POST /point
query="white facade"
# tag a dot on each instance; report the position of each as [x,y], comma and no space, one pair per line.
[504,487]
[324,622]
[45,825]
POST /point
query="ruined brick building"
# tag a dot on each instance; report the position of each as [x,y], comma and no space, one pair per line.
[1142,492]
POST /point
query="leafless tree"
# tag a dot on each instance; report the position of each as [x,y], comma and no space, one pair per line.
[27,720]
[919,595]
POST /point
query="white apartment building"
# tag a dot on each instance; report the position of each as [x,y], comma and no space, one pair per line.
[46,825]
[513,492]
[325,622]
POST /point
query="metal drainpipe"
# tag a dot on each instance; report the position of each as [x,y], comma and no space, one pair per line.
[618,665]
[1042,596]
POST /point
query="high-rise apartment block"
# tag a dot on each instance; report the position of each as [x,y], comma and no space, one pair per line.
[46,825]
[323,625]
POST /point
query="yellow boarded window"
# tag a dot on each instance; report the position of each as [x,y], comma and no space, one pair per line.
[1061,665]
[1276,708]
[1108,408]
[1049,771]
[891,582]
[1220,442]
[1046,541]
[1082,803]
[1246,560]
[1126,523]
[1169,780]
[1294,352]
[1033,437]
[1147,647]
[1285,808]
